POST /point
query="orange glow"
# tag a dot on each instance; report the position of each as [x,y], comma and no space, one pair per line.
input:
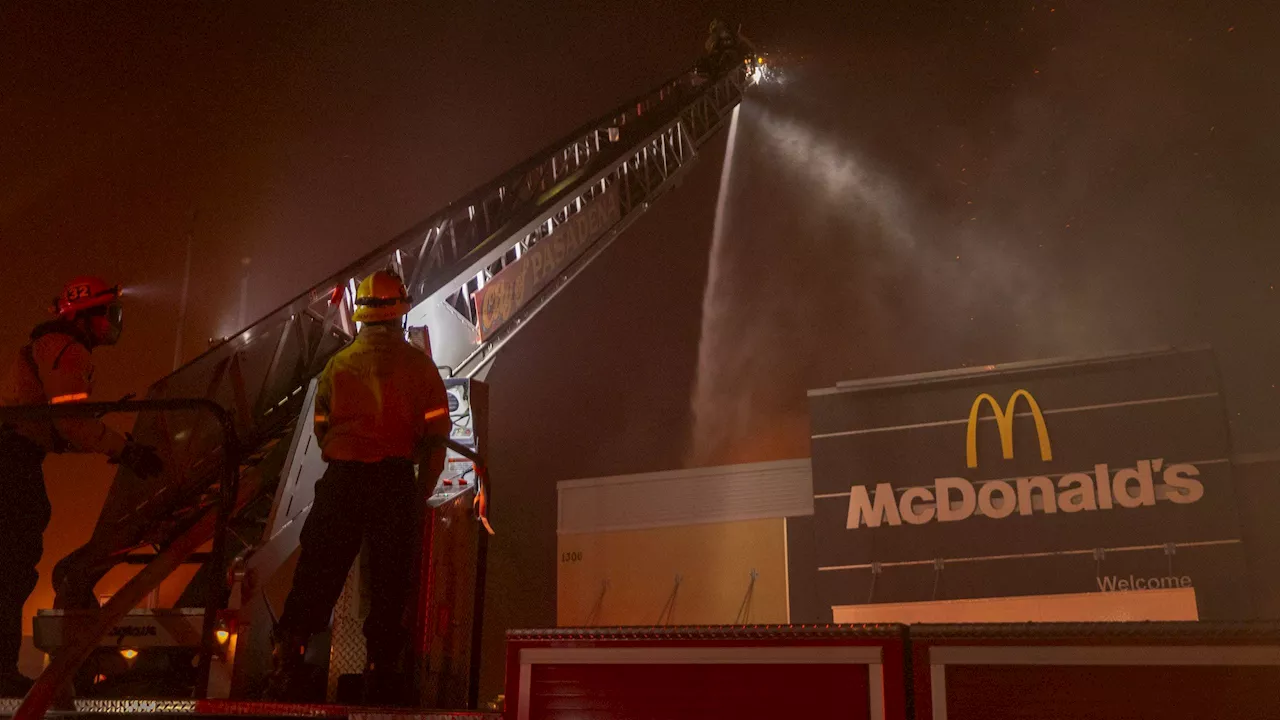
[432,415]
[129,653]
[222,635]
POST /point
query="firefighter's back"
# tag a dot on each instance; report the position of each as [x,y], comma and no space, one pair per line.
[378,390]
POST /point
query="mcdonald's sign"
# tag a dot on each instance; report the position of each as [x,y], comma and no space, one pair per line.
[1004,421]
[1038,477]
[956,498]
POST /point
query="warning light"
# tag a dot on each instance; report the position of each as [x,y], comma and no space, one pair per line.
[129,653]
[222,635]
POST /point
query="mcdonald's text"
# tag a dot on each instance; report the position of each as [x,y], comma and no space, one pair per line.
[953,498]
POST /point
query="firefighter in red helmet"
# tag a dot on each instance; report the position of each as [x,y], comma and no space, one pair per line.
[379,403]
[55,367]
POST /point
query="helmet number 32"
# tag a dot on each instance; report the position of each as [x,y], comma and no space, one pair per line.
[77,292]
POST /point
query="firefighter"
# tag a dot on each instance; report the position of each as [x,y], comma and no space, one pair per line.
[724,47]
[719,38]
[55,367]
[379,403]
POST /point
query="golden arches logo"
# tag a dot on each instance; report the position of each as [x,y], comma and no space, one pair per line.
[1004,422]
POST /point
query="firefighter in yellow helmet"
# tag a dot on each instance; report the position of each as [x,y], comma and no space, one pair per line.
[379,402]
[54,367]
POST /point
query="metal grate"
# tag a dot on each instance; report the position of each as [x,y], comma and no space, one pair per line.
[135,706]
[346,644]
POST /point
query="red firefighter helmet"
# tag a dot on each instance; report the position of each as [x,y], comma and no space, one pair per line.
[84,293]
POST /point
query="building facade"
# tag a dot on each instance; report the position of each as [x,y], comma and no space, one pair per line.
[1070,490]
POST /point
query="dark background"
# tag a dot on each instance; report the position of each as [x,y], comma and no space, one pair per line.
[936,184]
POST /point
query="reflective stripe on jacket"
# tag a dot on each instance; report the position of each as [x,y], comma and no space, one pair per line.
[57,368]
[379,398]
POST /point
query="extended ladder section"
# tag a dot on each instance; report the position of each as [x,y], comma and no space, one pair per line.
[478,269]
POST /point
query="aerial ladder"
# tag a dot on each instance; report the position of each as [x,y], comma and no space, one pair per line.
[478,270]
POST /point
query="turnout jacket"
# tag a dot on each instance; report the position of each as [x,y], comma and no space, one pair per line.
[381,398]
[56,367]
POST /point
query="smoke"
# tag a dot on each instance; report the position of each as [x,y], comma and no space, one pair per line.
[836,281]
[1085,189]
[836,235]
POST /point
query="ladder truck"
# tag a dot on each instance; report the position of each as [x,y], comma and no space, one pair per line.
[239,477]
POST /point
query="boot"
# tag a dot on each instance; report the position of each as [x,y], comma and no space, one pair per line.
[287,681]
[385,686]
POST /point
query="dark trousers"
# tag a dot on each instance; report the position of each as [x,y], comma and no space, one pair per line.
[24,515]
[354,502]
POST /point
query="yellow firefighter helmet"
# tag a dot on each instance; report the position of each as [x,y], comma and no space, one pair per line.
[381,297]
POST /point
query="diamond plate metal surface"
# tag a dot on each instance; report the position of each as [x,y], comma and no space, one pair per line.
[346,646]
[131,705]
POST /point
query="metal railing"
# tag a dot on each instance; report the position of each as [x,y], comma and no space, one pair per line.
[79,646]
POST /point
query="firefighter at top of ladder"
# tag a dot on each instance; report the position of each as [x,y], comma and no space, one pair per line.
[55,367]
[379,404]
[724,47]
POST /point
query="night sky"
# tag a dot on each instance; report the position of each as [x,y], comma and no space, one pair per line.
[934,185]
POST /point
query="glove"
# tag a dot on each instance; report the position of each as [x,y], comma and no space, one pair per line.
[141,459]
